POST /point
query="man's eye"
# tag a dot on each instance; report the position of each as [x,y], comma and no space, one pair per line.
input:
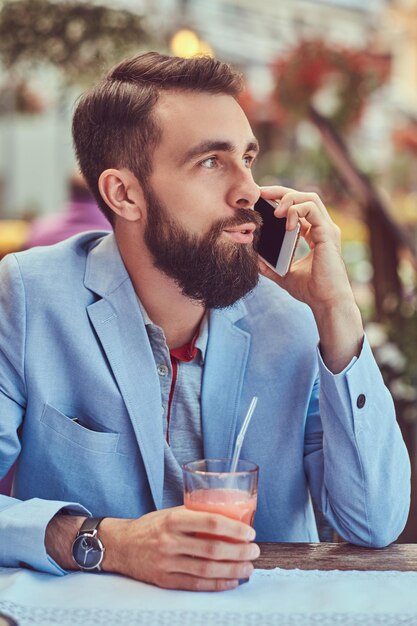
[248,160]
[209,163]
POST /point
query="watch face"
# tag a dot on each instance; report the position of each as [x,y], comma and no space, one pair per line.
[87,551]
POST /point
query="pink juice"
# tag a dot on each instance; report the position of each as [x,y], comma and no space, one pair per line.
[233,503]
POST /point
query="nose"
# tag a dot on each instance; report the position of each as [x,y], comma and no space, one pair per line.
[243,191]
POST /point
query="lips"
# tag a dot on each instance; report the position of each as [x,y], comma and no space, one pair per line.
[242,233]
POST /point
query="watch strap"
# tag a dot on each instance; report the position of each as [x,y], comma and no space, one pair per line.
[90,526]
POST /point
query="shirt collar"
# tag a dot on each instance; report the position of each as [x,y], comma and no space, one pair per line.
[202,339]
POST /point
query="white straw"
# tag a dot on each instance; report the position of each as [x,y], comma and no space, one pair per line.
[242,433]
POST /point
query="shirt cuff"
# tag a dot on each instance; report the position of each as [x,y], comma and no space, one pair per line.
[324,367]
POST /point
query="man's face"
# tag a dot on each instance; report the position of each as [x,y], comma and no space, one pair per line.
[200,223]
[206,268]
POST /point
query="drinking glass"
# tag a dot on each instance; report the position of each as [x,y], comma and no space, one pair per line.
[210,486]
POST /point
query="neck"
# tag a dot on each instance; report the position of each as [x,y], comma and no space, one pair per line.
[177,315]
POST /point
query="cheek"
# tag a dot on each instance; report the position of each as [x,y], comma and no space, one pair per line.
[196,210]
[195,204]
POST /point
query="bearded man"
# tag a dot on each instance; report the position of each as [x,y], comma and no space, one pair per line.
[124,355]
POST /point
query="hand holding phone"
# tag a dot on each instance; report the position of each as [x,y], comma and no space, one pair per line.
[276,246]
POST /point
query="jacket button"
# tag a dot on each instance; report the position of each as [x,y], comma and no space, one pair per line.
[360,402]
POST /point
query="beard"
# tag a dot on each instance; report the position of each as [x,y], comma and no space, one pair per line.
[208,269]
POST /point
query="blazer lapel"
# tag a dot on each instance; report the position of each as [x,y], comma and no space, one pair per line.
[118,322]
[224,372]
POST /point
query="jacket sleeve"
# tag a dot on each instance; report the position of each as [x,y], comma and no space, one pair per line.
[355,457]
[22,524]
[22,532]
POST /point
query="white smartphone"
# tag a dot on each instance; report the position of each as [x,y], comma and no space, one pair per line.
[276,245]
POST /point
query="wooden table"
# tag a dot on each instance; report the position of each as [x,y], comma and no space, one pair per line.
[342,556]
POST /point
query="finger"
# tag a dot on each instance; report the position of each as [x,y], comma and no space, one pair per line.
[188,521]
[298,197]
[305,232]
[288,196]
[194,583]
[305,227]
[266,271]
[273,192]
[205,568]
[310,212]
[217,550]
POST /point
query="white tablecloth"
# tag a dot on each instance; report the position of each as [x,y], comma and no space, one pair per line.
[271,598]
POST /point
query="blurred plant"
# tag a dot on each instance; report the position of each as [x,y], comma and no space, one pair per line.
[76,37]
[336,81]
[394,344]
[405,137]
[22,99]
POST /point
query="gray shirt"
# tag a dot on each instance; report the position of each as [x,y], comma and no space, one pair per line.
[185,435]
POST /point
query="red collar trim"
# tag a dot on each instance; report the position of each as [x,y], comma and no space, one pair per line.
[187,352]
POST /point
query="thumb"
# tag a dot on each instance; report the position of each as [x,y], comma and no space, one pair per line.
[266,271]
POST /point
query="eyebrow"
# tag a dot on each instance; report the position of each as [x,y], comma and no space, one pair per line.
[217,146]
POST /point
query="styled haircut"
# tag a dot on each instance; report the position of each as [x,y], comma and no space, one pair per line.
[114,125]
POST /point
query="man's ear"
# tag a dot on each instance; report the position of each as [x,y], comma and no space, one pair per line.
[122,192]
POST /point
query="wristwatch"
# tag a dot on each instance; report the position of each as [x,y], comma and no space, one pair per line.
[87,549]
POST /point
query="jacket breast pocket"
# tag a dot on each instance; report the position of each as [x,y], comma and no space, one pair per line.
[69,428]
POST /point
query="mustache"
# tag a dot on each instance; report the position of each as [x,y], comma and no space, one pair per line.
[242,216]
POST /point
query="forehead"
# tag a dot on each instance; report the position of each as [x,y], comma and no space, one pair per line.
[189,118]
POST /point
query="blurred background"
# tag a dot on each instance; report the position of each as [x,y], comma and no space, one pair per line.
[331,94]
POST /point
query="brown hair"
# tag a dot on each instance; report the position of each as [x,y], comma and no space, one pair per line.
[114,125]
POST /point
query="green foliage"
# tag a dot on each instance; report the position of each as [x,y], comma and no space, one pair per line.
[77,37]
[397,357]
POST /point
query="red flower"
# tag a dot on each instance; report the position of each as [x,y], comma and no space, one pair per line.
[303,71]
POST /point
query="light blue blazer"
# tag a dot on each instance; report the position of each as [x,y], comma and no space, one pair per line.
[80,407]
